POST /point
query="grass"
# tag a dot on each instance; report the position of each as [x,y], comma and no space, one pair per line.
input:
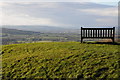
[60,60]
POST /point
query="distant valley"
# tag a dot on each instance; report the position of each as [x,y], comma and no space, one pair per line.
[30,34]
[14,36]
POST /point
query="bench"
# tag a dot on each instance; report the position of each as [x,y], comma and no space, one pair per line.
[108,33]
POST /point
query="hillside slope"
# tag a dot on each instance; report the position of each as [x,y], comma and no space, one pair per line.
[60,60]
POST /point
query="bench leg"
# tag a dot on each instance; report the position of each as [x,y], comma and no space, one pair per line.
[81,40]
[113,40]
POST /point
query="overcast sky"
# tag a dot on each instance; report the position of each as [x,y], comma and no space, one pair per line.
[62,14]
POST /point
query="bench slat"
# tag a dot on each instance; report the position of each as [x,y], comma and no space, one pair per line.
[97,33]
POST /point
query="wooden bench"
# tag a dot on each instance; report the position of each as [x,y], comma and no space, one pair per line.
[108,33]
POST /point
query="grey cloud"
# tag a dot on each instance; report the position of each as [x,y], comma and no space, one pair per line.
[63,12]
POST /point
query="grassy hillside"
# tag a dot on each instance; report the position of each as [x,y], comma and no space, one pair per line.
[60,60]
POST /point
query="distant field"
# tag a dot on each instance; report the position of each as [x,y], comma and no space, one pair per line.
[60,60]
[14,36]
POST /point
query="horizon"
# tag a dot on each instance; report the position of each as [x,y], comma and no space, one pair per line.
[57,14]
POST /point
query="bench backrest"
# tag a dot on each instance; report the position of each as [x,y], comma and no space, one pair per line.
[97,32]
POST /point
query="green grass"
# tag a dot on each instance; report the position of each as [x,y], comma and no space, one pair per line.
[60,60]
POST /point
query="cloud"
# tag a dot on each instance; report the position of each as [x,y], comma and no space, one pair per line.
[64,0]
[58,14]
[102,12]
[2,4]
[106,21]
[104,0]
[24,19]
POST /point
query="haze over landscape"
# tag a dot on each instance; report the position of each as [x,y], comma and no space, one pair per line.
[58,14]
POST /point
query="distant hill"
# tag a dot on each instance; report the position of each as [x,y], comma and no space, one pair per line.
[60,60]
[45,29]
[48,29]
[18,32]
[15,36]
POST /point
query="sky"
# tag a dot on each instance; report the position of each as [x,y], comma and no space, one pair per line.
[111,2]
[59,14]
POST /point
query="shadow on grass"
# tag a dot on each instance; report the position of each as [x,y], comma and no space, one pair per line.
[111,43]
